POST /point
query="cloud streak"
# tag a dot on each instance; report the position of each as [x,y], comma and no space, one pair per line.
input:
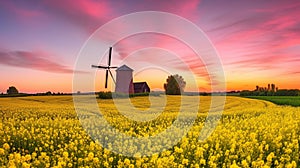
[32,60]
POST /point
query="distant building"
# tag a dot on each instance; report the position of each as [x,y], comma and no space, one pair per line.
[141,87]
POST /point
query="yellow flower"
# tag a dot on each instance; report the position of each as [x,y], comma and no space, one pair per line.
[111,159]
[202,162]
[18,157]
[127,162]
[65,154]
[138,163]
[185,161]
[245,163]
[61,164]
[178,150]
[91,156]
[96,160]
[43,155]
[27,157]
[196,165]
[33,155]
[2,151]
[25,165]
[270,157]
[234,165]
[106,164]
[6,146]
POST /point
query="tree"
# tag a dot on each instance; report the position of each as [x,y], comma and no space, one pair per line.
[273,87]
[175,85]
[12,90]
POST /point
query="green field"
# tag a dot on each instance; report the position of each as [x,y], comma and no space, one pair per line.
[280,100]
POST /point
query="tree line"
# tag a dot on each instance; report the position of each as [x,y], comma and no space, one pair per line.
[270,90]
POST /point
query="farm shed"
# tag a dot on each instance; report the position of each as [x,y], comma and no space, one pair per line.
[141,87]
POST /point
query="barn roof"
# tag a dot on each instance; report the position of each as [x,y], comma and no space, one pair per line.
[138,85]
[124,68]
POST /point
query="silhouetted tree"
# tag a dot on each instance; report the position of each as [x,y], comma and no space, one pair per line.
[12,90]
[273,87]
[274,91]
[287,92]
[175,85]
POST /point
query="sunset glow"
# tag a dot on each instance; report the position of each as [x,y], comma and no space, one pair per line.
[258,42]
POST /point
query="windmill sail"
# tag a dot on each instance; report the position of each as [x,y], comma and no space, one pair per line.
[109,56]
[107,68]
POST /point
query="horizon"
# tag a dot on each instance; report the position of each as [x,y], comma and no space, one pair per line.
[156,90]
[258,43]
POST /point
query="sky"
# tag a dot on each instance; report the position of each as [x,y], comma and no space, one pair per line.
[258,42]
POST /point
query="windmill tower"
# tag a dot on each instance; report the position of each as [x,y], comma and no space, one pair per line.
[124,82]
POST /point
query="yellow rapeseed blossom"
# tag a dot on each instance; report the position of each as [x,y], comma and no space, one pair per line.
[45,132]
[127,162]
[90,156]
[6,146]
[65,154]
[185,161]
[2,151]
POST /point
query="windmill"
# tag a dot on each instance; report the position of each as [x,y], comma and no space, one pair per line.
[107,68]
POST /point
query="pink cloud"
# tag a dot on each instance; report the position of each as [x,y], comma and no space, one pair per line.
[187,9]
[278,6]
[90,14]
[33,60]
[86,14]
[23,13]
[140,41]
[184,59]
[260,41]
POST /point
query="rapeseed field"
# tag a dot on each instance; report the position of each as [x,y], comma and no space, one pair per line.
[45,132]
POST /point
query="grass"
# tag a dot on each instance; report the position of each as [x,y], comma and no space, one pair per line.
[280,100]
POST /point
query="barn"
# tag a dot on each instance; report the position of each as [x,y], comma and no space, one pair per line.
[141,87]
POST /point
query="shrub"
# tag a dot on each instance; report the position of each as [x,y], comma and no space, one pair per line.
[110,95]
[105,95]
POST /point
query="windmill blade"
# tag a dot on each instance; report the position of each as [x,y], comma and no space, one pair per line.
[106,78]
[113,67]
[112,76]
[109,57]
[99,66]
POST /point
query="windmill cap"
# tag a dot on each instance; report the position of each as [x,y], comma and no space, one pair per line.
[124,68]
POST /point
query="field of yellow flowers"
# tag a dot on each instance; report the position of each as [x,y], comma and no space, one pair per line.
[45,132]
